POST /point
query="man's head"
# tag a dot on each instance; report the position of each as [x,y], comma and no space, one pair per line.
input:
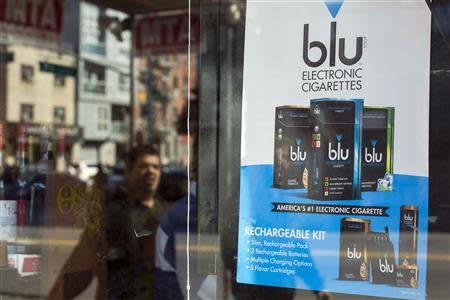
[143,170]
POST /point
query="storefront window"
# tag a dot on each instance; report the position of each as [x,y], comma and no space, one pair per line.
[26,112]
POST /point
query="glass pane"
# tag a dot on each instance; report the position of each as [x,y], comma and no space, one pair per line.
[93,148]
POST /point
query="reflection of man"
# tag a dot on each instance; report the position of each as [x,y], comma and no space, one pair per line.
[133,215]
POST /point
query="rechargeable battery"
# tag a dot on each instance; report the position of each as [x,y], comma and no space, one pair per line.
[409,217]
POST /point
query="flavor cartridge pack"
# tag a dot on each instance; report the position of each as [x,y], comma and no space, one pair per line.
[292,147]
[336,149]
[377,149]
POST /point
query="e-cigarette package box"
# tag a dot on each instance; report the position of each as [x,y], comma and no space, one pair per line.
[336,149]
[377,149]
[381,257]
[292,147]
[406,276]
[407,248]
[353,254]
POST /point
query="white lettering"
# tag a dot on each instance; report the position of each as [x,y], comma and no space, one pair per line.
[34,10]
[170,26]
[353,254]
[49,16]
[16,11]
[151,33]
[337,154]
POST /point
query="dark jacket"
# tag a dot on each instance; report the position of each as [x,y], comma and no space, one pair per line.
[130,234]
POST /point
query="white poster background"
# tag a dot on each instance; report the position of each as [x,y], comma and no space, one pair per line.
[395,64]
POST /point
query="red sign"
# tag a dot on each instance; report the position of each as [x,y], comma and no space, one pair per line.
[31,16]
[165,34]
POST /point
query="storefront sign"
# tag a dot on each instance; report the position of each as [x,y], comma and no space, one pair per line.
[71,133]
[165,34]
[33,18]
[57,69]
[334,151]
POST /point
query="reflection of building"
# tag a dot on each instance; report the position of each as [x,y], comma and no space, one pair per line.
[103,86]
[39,95]
[161,97]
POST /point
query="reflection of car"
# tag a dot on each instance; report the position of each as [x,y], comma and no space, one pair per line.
[116,177]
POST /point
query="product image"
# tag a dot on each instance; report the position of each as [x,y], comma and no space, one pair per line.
[406,276]
[336,149]
[382,257]
[292,147]
[377,149]
[409,218]
[353,257]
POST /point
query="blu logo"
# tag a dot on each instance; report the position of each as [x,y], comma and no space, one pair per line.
[332,51]
[297,155]
[386,267]
[353,254]
[337,154]
[372,156]
[407,218]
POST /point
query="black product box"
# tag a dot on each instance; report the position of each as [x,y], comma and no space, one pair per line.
[406,276]
[377,149]
[292,147]
[409,218]
[336,149]
[353,255]
[381,257]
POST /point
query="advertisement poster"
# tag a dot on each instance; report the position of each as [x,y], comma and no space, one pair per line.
[334,147]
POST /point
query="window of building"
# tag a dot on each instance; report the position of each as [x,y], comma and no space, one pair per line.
[27,73]
[119,113]
[124,82]
[99,25]
[60,80]
[59,114]
[94,78]
[102,123]
[26,112]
